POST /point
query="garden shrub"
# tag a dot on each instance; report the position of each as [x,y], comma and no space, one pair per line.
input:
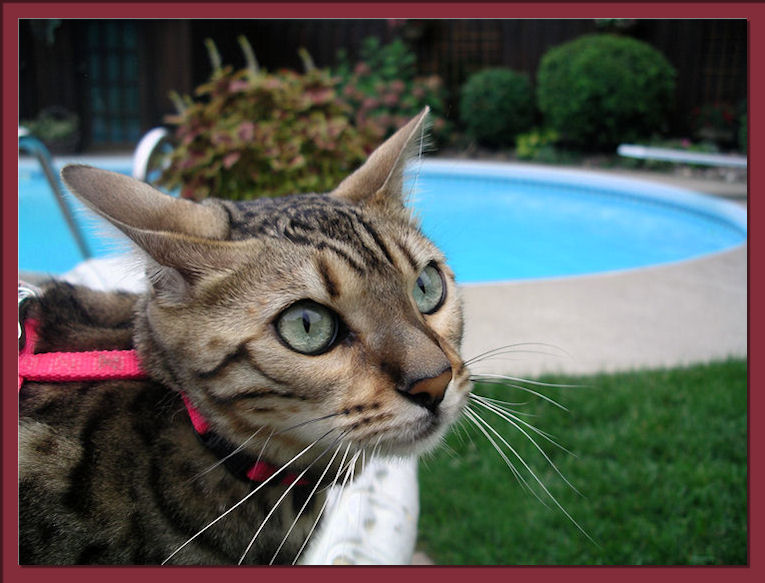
[600,90]
[57,127]
[536,145]
[496,105]
[385,92]
[715,122]
[250,133]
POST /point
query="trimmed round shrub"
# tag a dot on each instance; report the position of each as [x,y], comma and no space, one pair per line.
[496,105]
[600,90]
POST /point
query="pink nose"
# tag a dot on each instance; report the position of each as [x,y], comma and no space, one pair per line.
[429,392]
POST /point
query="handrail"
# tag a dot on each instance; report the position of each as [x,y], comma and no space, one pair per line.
[682,156]
[146,147]
[34,146]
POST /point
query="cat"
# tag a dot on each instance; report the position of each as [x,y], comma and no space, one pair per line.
[294,335]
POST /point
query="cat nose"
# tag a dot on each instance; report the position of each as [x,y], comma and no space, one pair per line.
[429,392]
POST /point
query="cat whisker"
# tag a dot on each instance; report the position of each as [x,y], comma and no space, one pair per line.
[242,501]
[284,495]
[488,426]
[515,348]
[323,506]
[308,498]
[304,423]
[512,421]
[529,381]
[376,446]
[461,432]
[515,415]
[251,437]
[350,473]
[223,459]
[505,404]
[502,380]
[474,418]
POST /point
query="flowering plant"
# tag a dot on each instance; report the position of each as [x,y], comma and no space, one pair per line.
[250,133]
[715,122]
[384,92]
[721,116]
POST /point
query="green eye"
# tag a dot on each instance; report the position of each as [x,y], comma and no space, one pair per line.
[307,327]
[429,290]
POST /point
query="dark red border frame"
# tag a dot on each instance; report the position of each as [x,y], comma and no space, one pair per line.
[11,12]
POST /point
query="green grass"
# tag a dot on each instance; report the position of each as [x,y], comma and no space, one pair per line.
[660,461]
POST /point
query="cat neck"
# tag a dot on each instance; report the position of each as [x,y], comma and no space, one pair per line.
[240,463]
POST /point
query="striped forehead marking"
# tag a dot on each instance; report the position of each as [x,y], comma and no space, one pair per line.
[319,222]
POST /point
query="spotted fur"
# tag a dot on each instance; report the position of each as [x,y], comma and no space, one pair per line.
[113,472]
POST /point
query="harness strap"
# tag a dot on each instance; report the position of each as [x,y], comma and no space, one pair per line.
[99,365]
[65,367]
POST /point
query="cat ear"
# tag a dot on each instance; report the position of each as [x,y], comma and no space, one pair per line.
[380,179]
[180,234]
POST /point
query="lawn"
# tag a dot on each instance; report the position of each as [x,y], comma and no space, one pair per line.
[660,459]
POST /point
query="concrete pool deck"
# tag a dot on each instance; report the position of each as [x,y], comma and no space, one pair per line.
[668,315]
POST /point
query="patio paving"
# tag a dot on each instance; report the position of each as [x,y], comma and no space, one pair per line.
[674,314]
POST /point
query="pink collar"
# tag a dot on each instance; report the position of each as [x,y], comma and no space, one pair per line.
[100,365]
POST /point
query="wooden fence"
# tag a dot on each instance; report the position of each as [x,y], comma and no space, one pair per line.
[710,55]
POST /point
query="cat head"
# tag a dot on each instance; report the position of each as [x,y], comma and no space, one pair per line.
[318,316]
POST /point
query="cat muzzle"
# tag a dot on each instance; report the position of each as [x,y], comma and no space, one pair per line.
[429,392]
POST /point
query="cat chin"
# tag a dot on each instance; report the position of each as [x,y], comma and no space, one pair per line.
[410,449]
[415,441]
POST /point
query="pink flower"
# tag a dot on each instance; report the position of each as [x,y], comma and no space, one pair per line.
[390,99]
[230,159]
[369,103]
[321,95]
[238,85]
[246,131]
[397,86]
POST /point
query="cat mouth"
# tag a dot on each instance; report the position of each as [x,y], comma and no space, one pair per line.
[405,439]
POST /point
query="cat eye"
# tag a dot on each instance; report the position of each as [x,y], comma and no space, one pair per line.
[307,327]
[429,290]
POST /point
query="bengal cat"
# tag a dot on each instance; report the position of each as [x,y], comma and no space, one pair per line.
[293,335]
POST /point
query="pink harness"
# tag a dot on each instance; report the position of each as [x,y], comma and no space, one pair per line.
[101,365]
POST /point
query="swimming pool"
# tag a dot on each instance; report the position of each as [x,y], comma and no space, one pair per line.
[499,222]
[495,222]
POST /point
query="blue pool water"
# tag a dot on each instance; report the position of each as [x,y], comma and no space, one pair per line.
[500,222]
[494,222]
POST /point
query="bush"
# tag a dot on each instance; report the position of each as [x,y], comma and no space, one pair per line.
[537,145]
[715,122]
[57,127]
[384,91]
[601,90]
[252,134]
[496,105]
